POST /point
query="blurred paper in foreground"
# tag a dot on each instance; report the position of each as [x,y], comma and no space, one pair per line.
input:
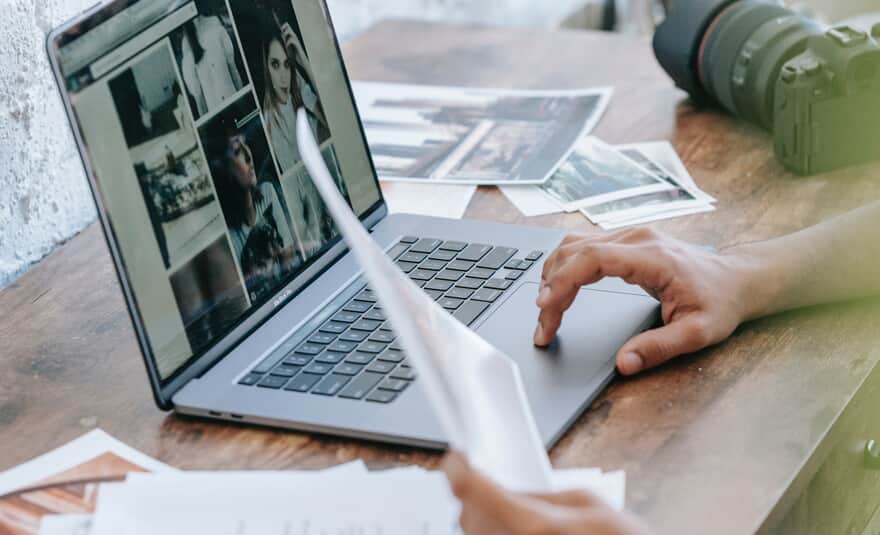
[476,391]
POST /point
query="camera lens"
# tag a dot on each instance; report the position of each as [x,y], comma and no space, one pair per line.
[743,52]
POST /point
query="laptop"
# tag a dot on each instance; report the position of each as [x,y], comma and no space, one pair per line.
[245,302]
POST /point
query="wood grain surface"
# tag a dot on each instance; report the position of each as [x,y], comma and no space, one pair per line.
[711,443]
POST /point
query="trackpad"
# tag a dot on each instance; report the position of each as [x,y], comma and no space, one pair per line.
[593,330]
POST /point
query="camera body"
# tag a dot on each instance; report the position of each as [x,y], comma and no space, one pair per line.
[827,103]
[816,90]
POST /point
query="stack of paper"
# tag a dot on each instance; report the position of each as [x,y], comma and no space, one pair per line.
[344,500]
[616,186]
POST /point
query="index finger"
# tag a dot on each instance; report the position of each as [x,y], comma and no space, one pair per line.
[587,263]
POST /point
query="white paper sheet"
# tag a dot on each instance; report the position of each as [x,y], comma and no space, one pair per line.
[74,453]
[435,200]
[530,201]
[66,525]
[476,391]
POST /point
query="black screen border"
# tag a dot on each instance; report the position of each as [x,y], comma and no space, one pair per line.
[165,389]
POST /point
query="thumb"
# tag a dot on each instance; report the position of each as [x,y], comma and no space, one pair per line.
[655,347]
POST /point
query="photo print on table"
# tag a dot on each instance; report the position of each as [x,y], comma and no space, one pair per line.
[597,173]
[209,61]
[172,173]
[266,247]
[473,136]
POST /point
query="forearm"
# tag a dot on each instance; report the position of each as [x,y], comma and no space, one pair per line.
[835,261]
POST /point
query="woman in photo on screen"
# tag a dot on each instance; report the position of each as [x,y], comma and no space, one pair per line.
[208,60]
[258,226]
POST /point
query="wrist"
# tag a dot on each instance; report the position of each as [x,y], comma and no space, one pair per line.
[760,277]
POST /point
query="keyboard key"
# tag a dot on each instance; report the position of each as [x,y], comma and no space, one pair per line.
[444,256]
[396,251]
[474,253]
[459,293]
[421,275]
[316,368]
[302,382]
[322,338]
[252,378]
[469,283]
[425,245]
[273,381]
[380,367]
[392,355]
[346,317]
[497,258]
[449,275]
[513,275]
[382,336]
[367,296]
[438,285]
[372,347]
[404,373]
[331,385]
[486,294]
[341,346]
[395,385]
[333,327]
[360,358]
[375,315]
[406,267]
[408,240]
[449,303]
[434,294]
[432,265]
[396,346]
[309,349]
[513,264]
[453,246]
[534,256]
[382,396]
[297,360]
[286,370]
[348,369]
[359,388]
[482,273]
[470,311]
[355,336]
[357,306]
[521,265]
[498,284]
[328,357]
[460,265]
[412,257]
[367,325]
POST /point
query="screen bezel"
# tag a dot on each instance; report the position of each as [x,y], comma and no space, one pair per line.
[198,364]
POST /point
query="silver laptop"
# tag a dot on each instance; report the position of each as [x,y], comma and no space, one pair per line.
[245,302]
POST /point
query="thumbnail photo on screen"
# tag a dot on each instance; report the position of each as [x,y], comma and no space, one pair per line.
[163,146]
[209,61]
[247,186]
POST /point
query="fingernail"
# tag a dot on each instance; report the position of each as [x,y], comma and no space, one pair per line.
[631,363]
[539,334]
[544,295]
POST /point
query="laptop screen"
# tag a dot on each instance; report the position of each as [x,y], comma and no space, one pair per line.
[187,113]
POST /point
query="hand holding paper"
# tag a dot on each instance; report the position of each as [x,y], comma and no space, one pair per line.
[483,407]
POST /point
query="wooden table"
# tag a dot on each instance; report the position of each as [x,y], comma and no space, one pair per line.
[762,433]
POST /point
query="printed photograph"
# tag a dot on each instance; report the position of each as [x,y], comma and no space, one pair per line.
[596,173]
[423,133]
[265,245]
[209,295]
[163,145]
[282,74]
[205,49]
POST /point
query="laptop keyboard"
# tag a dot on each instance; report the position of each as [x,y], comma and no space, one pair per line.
[354,353]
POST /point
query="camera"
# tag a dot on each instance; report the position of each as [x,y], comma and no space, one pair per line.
[816,89]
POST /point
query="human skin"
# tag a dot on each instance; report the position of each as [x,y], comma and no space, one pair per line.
[706,295]
[279,72]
